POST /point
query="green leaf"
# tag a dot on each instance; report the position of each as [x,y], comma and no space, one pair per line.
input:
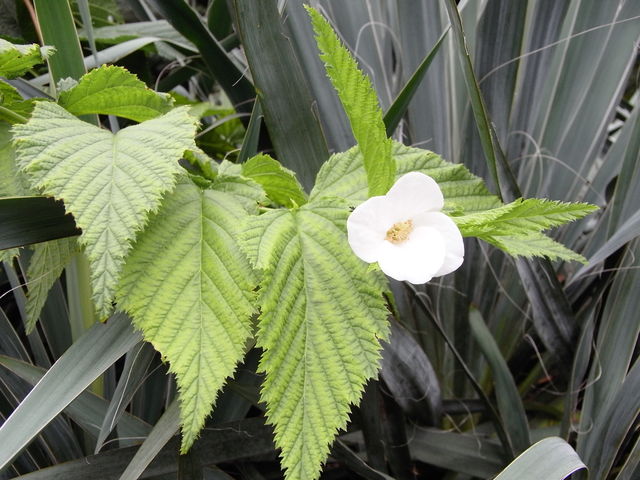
[551,458]
[344,176]
[279,183]
[322,318]
[112,90]
[522,217]
[14,109]
[190,290]
[12,181]
[360,104]
[533,245]
[109,182]
[45,266]
[18,59]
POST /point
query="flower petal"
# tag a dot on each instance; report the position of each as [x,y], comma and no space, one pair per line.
[454,245]
[414,193]
[367,227]
[415,260]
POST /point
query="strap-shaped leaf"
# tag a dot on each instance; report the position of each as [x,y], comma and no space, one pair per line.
[17,59]
[115,91]
[45,266]
[190,290]
[108,182]
[344,176]
[280,183]
[322,318]
[360,103]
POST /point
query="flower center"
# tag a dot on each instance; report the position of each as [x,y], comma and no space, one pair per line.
[400,231]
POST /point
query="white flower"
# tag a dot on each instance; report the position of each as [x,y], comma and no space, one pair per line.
[405,231]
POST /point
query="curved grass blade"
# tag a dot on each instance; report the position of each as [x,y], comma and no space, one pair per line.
[85,361]
[551,459]
[401,103]
[509,401]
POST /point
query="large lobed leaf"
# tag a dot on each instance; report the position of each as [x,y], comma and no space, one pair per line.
[112,90]
[322,318]
[190,292]
[360,104]
[109,182]
[344,176]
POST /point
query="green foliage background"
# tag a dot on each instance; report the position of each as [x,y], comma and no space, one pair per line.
[538,99]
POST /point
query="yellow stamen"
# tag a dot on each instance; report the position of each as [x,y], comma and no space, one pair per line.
[400,232]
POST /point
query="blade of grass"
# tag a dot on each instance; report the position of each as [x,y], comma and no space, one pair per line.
[551,459]
[508,452]
[56,23]
[27,220]
[509,401]
[232,80]
[286,100]
[400,105]
[85,361]
[87,410]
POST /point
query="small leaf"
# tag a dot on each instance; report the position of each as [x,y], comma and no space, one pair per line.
[360,104]
[190,290]
[534,245]
[344,176]
[522,217]
[322,320]
[18,59]
[111,90]
[279,183]
[108,182]
[45,266]
[18,108]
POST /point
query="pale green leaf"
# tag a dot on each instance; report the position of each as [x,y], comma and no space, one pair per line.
[533,245]
[15,108]
[18,59]
[322,318]
[109,182]
[45,266]
[344,176]
[12,181]
[189,290]
[360,104]
[550,459]
[279,183]
[112,90]
[521,217]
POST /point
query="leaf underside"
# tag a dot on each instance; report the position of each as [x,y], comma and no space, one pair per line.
[344,176]
[321,322]
[109,182]
[190,291]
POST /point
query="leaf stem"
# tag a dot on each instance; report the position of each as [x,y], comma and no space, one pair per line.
[12,115]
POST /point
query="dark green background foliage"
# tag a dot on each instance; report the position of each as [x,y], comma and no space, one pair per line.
[540,99]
